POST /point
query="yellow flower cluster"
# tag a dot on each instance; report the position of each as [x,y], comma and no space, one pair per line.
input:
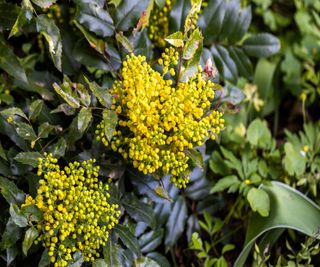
[77,216]
[159,122]
[159,24]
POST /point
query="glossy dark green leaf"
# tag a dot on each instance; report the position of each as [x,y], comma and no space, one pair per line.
[32,212]
[84,119]
[160,259]
[138,210]
[110,120]
[12,253]
[25,131]
[150,240]
[95,18]
[11,193]
[30,235]
[145,262]
[242,61]
[261,45]
[142,44]
[77,260]
[111,254]
[65,108]
[29,158]
[11,112]
[128,13]
[196,157]
[179,14]
[10,63]
[58,150]
[104,97]
[25,15]
[199,186]
[44,3]
[128,239]
[51,32]
[45,129]
[242,25]
[45,259]
[230,19]
[35,109]
[8,15]
[11,234]
[176,223]
[17,216]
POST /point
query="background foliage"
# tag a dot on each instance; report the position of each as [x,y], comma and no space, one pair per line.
[58,60]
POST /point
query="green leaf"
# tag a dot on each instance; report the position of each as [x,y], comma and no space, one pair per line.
[128,239]
[111,254]
[11,234]
[114,2]
[224,183]
[35,109]
[84,119]
[142,44]
[294,162]
[29,158]
[104,97]
[11,193]
[77,260]
[179,14]
[241,26]
[32,212]
[138,210]
[51,33]
[17,217]
[259,201]
[192,45]
[30,235]
[124,41]
[44,3]
[99,263]
[258,134]
[45,129]
[227,248]
[10,112]
[242,62]
[128,13]
[175,39]
[67,95]
[3,152]
[160,3]
[45,259]
[65,108]
[58,150]
[25,15]
[110,120]
[95,18]
[160,259]
[289,209]
[261,45]
[25,131]
[145,262]
[196,157]
[10,63]
[150,241]
[176,223]
[8,15]
[12,253]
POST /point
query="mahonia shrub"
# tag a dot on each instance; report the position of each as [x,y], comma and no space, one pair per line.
[159,121]
[77,215]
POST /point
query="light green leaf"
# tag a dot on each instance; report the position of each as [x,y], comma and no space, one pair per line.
[51,32]
[29,158]
[175,39]
[104,97]
[30,235]
[84,119]
[146,262]
[294,162]
[196,157]
[124,41]
[99,263]
[192,44]
[114,2]
[10,112]
[289,209]
[259,201]
[224,183]
[128,239]
[160,3]
[227,248]
[110,120]
[258,134]
[44,3]
[67,95]
[45,129]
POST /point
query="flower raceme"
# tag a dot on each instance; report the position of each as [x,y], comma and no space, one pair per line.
[159,122]
[77,216]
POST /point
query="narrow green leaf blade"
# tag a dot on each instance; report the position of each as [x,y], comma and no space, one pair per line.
[30,235]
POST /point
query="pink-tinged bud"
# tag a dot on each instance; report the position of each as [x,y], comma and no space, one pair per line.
[210,69]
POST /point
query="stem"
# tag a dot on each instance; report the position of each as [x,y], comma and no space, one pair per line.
[175,264]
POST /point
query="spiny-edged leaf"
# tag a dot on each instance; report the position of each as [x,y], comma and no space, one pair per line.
[151,240]
[35,109]
[258,134]
[58,150]
[11,193]
[25,131]
[111,253]
[44,3]
[294,162]
[17,216]
[178,14]
[45,259]
[94,42]
[128,238]
[128,13]
[25,15]
[10,112]
[110,120]
[192,44]
[261,45]
[51,33]
[145,262]
[138,210]
[192,16]
[230,19]
[289,209]
[242,25]
[176,223]
[142,44]
[84,119]
[65,92]
[224,183]
[224,63]
[95,18]
[10,63]
[29,158]
[259,201]
[29,237]
[124,41]
[101,93]
[175,39]
[242,61]
[11,234]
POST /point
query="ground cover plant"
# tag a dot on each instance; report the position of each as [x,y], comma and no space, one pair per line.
[159,133]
